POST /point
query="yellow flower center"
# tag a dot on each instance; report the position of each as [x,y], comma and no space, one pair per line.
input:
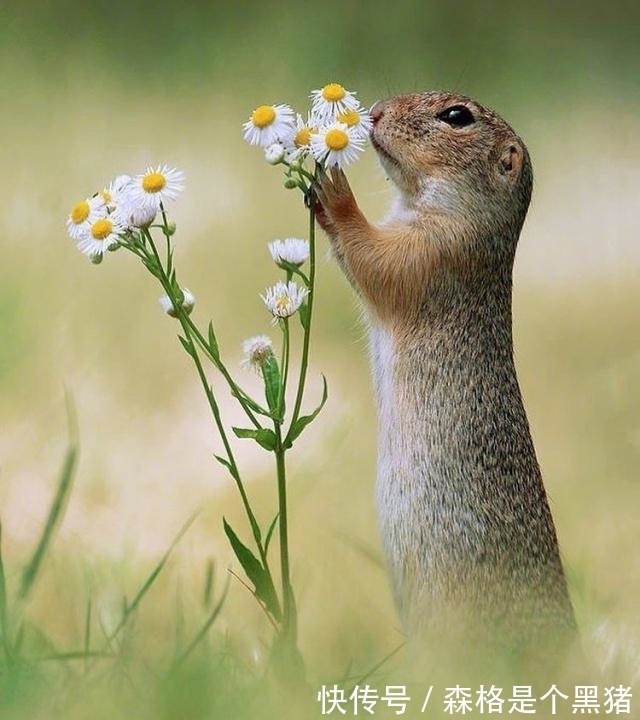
[303,137]
[80,212]
[336,139]
[101,228]
[153,182]
[282,303]
[333,92]
[349,117]
[263,116]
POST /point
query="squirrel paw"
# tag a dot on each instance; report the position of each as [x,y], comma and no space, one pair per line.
[335,200]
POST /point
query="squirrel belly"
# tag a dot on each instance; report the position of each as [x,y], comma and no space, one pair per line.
[464,516]
[463,513]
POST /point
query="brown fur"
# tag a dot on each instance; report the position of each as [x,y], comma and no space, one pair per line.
[464,516]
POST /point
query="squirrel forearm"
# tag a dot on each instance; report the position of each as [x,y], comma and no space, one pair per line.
[387,266]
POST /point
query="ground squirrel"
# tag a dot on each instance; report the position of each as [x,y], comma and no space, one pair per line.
[465,521]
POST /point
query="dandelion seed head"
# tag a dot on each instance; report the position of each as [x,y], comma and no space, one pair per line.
[256,350]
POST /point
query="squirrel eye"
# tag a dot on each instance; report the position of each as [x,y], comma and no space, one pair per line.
[457,116]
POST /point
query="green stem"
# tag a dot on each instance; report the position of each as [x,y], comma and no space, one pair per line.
[236,390]
[307,331]
[288,616]
[213,405]
[284,365]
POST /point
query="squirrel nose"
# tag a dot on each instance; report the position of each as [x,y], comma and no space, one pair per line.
[377,111]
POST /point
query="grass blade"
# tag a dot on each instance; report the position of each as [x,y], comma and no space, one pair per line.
[148,583]
[30,572]
[4,611]
[200,635]
[207,593]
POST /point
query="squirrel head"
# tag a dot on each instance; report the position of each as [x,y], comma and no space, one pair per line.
[452,157]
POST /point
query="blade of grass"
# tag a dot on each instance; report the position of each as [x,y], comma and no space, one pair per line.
[87,629]
[75,655]
[148,583]
[201,634]
[31,570]
[4,611]
[377,666]
[58,505]
[207,594]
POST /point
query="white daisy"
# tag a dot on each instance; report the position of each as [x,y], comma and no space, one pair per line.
[155,186]
[116,191]
[134,212]
[256,350]
[290,250]
[336,145]
[188,303]
[284,299]
[83,214]
[103,234]
[358,120]
[298,141]
[268,124]
[330,101]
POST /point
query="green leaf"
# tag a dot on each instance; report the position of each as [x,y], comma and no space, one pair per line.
[223,461]
[188,348]
[272,383]
[272,527]
[264,437]
[294,270]
[261,580]
[303,313]
[301,423]
[241,395]
[213,342]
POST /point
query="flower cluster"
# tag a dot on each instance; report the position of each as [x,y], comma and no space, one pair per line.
[333,132]
[101,222]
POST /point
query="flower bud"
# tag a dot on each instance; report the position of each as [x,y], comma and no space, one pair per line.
[171,228]
[96,259]
[274,154]
[290,183]
[295,165]
[188,303]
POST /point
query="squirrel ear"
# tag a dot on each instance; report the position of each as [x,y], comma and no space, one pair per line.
[511,160]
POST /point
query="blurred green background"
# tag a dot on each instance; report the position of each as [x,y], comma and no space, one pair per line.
[91,90]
